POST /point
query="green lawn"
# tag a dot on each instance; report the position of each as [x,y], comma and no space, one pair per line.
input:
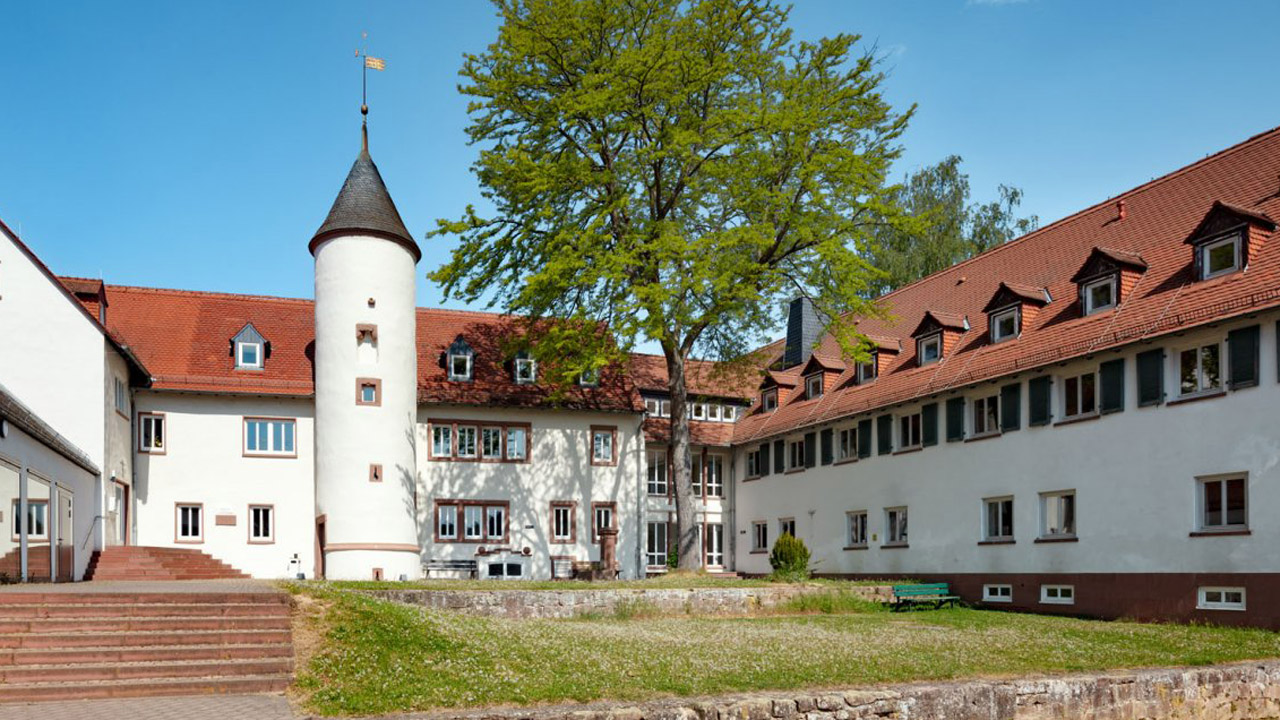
[380,657]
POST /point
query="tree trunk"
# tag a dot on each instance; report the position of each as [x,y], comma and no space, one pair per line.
[688,540]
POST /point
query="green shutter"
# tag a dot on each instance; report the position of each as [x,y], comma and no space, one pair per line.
[929,423]
[827,454]
[1151,377]
[864,438]
[1111,377]
[1041,412]
[955,419]
[1011,407]
[884,434]
[1243,354]
[779,456]
[810,449]
[764,459]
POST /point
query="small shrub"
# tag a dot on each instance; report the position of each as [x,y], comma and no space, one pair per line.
[790,559]
[673,557]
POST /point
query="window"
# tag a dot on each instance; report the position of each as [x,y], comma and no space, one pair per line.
[368,391]
[265,436]
[589,378]
[759,537]
[504,570]
[998,519]
[1223,503]
[249,355]
[491,443]
[1099,294]
[150,433]
[447,522]
[715,476]
[753,463]
[769,400]
[602,450]
[986,415]
[1200,369]
[715,545]
[37,519]
[460,366]
[655,544]
[699,411]
[1005,324]
[562,525]
[1058,594]
[473,522]
[441,441]
[495,521]
[122,397]
[1058,514]
[664,408]
[856,529]
[1080,395]
[466,447]
[1219,257]
[517,444]
[1220,598]
[909,431]
[929,349]
[190,525]
[867,371]
[651,406]
[997,593]
[847,444]
[787,526]
[262,526]
[895,524]
[713,412]
[795,455]
[602,516]
[526,370]
[813,386]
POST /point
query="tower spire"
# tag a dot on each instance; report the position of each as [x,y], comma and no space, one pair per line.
[369,63]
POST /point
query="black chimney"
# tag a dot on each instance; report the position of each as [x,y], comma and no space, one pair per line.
[804,325]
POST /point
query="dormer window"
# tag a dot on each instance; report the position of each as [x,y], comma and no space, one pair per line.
[1099,294]
[458,360]
[929,349]
[1005,324]
[769,400]
[867,371]
[1219,257]
[589,378]
[526,370]
[813,386]
[249,348]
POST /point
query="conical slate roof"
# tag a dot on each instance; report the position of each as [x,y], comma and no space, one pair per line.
[364,207]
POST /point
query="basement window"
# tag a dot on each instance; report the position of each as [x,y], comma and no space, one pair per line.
[997,593]
[1058,594]
[1220,598]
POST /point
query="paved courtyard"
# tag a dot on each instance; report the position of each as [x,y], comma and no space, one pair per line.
[204,707]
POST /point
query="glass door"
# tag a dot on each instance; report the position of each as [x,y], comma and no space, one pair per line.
[65,530]
[715,545]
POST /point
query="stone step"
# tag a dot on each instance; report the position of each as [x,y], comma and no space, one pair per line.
[36,692]
[15,612]
[137,598]
[165,668]
[143,624]
[143,638]
[68,656]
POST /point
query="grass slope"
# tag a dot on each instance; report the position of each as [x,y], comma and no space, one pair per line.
[381,657]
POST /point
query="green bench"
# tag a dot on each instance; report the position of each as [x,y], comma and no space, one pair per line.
[935,594]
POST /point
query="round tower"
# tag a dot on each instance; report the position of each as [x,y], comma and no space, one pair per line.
[366,382]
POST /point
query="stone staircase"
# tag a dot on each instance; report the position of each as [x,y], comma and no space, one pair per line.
[157,563]
[80,645]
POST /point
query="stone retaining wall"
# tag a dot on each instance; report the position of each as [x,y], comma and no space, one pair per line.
[571,603]
[1247,691]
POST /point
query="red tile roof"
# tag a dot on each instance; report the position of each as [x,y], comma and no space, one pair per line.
[703,378]
[184,338]
[657,431]
[1159,215]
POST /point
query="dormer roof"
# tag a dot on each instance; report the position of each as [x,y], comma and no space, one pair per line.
[1224,216]
[883,343]
[773,378]
[936,319]
[364,207]
[822,363]
[1102,260]
[1008,293]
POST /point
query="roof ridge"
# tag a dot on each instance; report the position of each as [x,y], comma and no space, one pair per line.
[207,293]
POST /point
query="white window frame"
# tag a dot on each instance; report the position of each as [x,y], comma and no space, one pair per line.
[651,407]
[441,440]
[241,363]
[589,378]
[37,517]
[990,534]
[997,593]
[795,454]
[1216,598]
[656,544]
[909,424]
[897,529]
[1079,395]
[855,529]
[867,370]
[813,386]
[147,425]
[759,536]
[787,526]
[447,513]
[847,443]
[122,396]
[981,416]
[1086,292]
[490,433]
[602,449]
[664,408]
[998,316]
[1058,594]
[288,436]
[1045,497]
[935,341]
[506,565]
[1202,490]
[657,484]
[1206,248]
[769,400]
[525,371]
[713,484]
[561,511]
[713,545]
[699,411]
[1201,387]
[467,359]
[472,513]
[464,447]
[492,514]
[270,513]
[199,522]
[753,464]
[714,412]
[517,443]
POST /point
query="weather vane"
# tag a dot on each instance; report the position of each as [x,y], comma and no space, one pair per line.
[370,63]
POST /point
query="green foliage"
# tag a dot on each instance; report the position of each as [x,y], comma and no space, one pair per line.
[673,557]
[830,602]
[790,559]
[948,228]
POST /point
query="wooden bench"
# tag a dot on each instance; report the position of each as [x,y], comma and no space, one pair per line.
[471,567]
[935,594]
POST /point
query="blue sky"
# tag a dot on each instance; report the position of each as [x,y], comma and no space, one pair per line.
[199,145]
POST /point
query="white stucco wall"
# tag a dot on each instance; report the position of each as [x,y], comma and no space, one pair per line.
[1134,474]
[118,432]
[559,469]
[204,463]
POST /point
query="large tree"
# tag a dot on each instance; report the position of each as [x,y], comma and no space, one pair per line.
[673,171]
[949,227]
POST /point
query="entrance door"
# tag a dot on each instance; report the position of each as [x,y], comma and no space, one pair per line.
[118,515]
[715,545]
[320,547]
[66,530]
